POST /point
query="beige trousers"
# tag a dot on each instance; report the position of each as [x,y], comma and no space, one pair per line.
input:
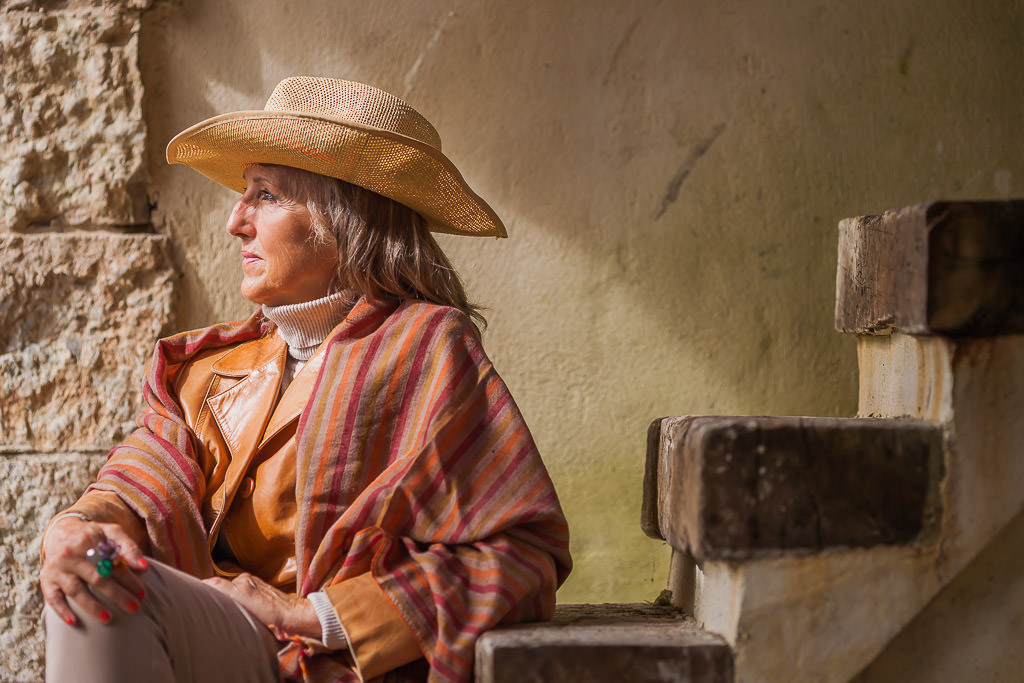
[184,632]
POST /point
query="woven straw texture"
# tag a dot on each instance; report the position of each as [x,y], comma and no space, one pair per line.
[345,130]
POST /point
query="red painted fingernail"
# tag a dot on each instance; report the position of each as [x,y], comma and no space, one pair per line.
[133,607]
[70,621]
[143,563]
[141,593]
[105,616]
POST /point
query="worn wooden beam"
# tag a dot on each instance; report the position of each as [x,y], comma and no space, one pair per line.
[734,488]
[605,644]
[950,268]
[649,507]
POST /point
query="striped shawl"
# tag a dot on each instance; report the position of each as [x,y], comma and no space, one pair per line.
[414,464]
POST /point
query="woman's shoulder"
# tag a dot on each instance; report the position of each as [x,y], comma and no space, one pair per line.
[435,320]
[189,357]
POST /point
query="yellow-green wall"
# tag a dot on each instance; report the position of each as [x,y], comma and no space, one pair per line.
[670,172]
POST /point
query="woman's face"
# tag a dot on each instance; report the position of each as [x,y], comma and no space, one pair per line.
[281,263]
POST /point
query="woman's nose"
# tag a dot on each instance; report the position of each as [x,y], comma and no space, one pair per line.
[239,221]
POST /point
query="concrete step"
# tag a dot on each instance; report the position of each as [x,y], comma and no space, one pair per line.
[738,488]
[605,643]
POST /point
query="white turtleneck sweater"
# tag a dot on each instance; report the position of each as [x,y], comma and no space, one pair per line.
[304,327]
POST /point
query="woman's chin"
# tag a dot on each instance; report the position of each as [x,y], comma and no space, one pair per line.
[264,297]
[258,295]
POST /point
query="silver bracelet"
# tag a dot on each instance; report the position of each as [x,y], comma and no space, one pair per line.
[79,515]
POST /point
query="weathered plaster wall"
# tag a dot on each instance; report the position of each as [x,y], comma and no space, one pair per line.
[671,174]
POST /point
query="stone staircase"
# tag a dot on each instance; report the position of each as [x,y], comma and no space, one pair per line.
[835,550]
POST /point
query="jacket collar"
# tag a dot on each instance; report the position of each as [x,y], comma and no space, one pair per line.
[295,397]
[244,358]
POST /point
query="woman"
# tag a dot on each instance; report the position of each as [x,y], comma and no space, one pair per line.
[340,487]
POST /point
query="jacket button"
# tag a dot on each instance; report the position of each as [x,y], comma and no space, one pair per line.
[247,486]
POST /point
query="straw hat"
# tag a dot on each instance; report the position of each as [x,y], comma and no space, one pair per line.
[345,130]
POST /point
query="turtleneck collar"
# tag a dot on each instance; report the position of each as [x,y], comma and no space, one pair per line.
[305,326]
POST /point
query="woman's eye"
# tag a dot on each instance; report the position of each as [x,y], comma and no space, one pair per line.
[266,196]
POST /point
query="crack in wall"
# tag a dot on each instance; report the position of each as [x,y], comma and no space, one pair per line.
[689,163]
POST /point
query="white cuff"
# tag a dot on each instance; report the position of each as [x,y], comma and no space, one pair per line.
[333,635]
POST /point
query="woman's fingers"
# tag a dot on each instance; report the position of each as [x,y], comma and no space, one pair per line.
[122,588]
[245,589]
[79,592]
[54,597]
[58,588]
[127,548]
[68,573]
[270,605]
[226,587]
[59,579]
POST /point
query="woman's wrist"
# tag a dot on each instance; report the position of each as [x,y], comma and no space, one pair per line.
[302,620]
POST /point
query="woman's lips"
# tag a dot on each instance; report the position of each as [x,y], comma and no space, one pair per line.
[248,258]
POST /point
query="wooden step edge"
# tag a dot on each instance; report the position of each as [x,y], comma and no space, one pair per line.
[604,643]
[735,488]
[951,268]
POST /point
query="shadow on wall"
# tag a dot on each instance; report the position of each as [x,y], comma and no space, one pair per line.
[671,174]
[178,78]
[677,170]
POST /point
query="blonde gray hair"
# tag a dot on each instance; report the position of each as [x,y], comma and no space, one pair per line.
[385,250]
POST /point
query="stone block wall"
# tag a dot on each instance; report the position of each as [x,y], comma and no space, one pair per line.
[35,486]
[71,123]
[79,313]
[86,286]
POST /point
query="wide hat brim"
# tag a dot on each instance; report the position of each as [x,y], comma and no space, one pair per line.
[411,172]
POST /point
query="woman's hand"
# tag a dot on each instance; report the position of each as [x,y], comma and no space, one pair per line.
[291,614]
[68,573]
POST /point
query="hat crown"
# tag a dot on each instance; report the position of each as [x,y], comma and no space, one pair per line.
[352,102]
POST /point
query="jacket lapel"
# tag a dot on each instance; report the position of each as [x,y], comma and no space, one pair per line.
[241,411]
[294,400]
